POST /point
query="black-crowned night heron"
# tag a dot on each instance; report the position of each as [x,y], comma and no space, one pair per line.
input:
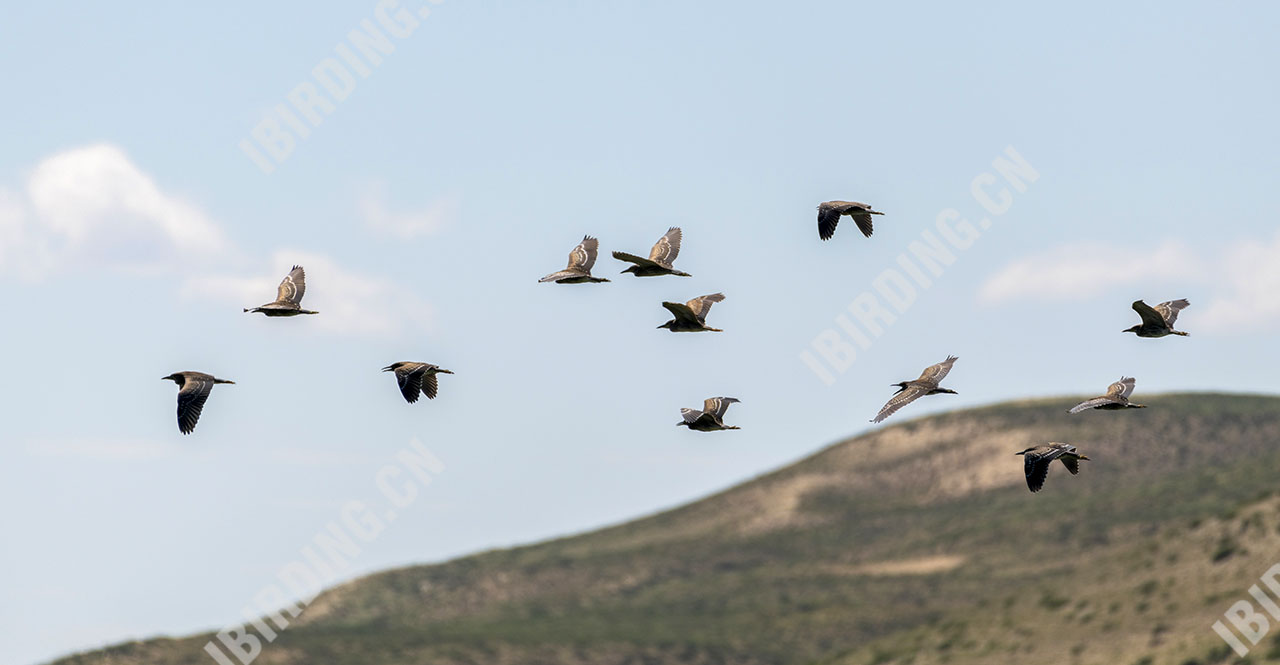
[1158,321]
[289,294]
[710,418]
[661,257]
[193,390]
[1036,461]
[1117,398]
[829,215]
[692,316]
[416,378]
[910,391]
[581,259]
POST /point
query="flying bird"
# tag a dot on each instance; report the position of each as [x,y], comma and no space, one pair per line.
[829,215]
[581,259]
[661,257]
[193,390]
[1117,398]
[710,418]
[1158,321]
[1036,461]
[692,315]
[910,391]
[415,378]
[289,294]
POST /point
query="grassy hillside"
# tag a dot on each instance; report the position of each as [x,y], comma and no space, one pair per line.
[918,543]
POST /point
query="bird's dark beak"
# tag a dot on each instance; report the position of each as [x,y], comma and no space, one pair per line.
[388,368]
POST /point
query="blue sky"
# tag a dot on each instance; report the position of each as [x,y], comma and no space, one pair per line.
[467,165]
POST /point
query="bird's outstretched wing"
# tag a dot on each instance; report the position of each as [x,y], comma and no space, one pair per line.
[1150,317]
[682,312]
[717,406]
[560,274]
[1036,467]
[667,248]
[430,385]
[1169,310]
[191,397]
[1122,388]
[936,373]
[911,394]
[1093,403]
[1072,463]
[632,258]
[828,218]
[410,379]
[583,257]
[293,287]
[702,304]
[690,415]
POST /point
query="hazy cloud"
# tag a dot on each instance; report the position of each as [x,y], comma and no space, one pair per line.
[374,209]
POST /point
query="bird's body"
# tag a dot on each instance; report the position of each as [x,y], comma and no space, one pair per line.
[581,259]
[1036,461]
[829,216]
[1158,321]
[193,390]
[692,316]
[1117,398]
[660,260]
[910,391]
[416,378]
[289,294]
[710,418]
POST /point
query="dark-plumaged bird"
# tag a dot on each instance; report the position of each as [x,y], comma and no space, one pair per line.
[1117,398]
[193,390]
[1036,461]
[1158,321]
[829,215]
[416,378]
[661,257]
[710,418]
[581,259]
[910,391]
[289,294]
[692,316]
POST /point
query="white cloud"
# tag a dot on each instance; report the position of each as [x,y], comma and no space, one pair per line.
[1241,280]
[92,205]
[349,303]
[373,209]
[1081,272]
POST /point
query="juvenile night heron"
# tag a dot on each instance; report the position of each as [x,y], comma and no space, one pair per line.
[1036,461]
[415,378]
[581,259]
[910,391]
[1158,321]
[289,294]
[710,418]
[1117,398]
[193,390]
[829,215]
[692,315]
[661,257]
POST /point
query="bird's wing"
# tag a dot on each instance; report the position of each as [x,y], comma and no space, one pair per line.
[1072,463]
[191,397]
[702,304]
[1036,467]
[410,379]
[682,312]
[1169,310]
[632,258]
[717,406]
[828,218]
[690,415]
[1122,388]
[1093,403]
[911,394]
[430,385]
[561,274]
[1150,317]
[293,287]
[936,373]
[863,219]
[667,248]
[583,257]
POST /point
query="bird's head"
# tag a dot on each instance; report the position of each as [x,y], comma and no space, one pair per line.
[670,325]
[172,377]
[1024,452]
[629,269]
[392,367]
[1133,329]
[901,386]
